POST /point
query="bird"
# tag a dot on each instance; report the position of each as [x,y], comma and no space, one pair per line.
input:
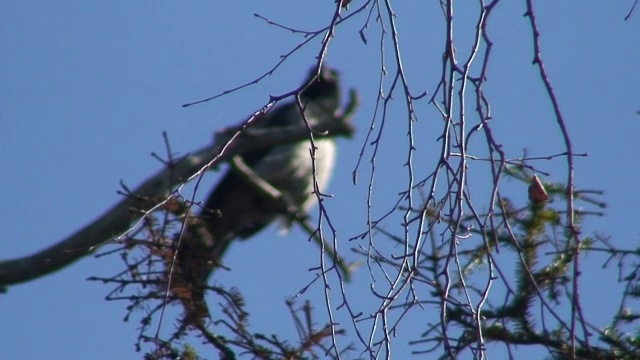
[236,208]
[243,209]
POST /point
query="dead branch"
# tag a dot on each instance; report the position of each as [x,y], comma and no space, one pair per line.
[156,190]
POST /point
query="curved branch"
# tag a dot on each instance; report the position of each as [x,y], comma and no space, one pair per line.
[228,143]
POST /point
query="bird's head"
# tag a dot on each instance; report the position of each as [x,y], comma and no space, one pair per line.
[322,92]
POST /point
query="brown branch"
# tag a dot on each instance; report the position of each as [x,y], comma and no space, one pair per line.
[119,218]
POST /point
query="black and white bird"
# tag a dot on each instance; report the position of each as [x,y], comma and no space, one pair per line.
[243,209]
[237,208]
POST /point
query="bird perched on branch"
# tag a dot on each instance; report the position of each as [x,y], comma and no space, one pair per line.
[262,185]
[244,206]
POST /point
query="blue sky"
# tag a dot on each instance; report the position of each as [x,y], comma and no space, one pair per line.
[87,89]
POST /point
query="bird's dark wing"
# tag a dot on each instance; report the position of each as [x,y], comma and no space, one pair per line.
[238,208]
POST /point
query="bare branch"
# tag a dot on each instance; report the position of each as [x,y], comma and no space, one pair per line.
[154,192]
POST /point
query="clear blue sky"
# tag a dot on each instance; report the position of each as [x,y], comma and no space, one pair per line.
[87,89]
